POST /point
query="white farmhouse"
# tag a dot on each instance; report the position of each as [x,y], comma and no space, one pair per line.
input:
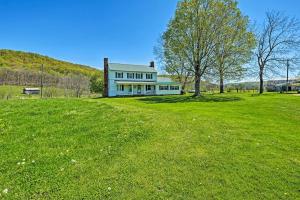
[135,80]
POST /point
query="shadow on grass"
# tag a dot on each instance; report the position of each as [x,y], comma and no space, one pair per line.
[185,99]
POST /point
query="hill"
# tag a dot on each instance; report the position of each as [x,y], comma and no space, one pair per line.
[19,60]
[175,147]
[23,69]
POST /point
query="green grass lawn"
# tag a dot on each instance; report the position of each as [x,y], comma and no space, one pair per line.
[233,146]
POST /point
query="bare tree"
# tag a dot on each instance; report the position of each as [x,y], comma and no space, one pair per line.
[42,80]
[278,40]
[80,84]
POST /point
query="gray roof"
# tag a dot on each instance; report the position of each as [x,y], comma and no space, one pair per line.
[130,67]
[165,80]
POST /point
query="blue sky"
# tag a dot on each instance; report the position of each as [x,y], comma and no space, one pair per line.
[85,31]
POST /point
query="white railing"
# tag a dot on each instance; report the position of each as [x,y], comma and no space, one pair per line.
[135,93]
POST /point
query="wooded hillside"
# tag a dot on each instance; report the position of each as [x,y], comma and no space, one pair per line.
[31,61]
[24,69]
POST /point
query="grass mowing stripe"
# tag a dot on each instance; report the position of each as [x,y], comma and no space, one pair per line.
[175,147]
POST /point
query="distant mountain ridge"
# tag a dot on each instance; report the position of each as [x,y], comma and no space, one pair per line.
[18,60]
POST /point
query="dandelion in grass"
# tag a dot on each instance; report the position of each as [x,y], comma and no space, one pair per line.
[109,188]
[5,191]
[33,161]
[73,161]
[23,163]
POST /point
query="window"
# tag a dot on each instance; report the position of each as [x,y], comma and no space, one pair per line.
[120,87]
[130,75]
[163,87]
[119,74]
[148,87]
[139,76]
[149,76]
[174,87]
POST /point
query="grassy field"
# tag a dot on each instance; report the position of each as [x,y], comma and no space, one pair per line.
[233,146]
[8,92]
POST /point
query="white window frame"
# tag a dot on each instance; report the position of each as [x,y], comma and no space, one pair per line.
[139,75]
[149,76]
[163,87]
[119,74]
[120,88]
[174,87]
[130,75]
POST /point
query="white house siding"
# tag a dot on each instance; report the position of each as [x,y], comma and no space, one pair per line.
[112,83]
[167,92]
[134,86]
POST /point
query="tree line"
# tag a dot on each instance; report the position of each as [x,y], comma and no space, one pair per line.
[214,40]
[72,84]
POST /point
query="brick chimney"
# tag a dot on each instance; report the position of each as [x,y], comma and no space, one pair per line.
[105,82]
[152,64]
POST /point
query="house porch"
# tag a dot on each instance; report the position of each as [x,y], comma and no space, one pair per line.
[135,88]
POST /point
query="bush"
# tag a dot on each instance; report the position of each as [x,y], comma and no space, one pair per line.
[6,93]
[50,92]
[2,95]
[96,84]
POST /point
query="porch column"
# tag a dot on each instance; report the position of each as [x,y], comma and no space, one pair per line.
[132,89]
[144,89]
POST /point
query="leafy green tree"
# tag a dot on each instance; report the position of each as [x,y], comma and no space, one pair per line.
[173,63]
[196,31]
[96,84]
[234,43]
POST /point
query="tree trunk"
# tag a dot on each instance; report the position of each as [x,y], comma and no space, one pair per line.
[261,82]
[221,84]
[184,84]
[183,87]
[197,80]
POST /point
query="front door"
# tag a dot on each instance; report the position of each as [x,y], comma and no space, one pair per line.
[139,89]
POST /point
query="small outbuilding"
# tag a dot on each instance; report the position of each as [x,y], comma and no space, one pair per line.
[31,91]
